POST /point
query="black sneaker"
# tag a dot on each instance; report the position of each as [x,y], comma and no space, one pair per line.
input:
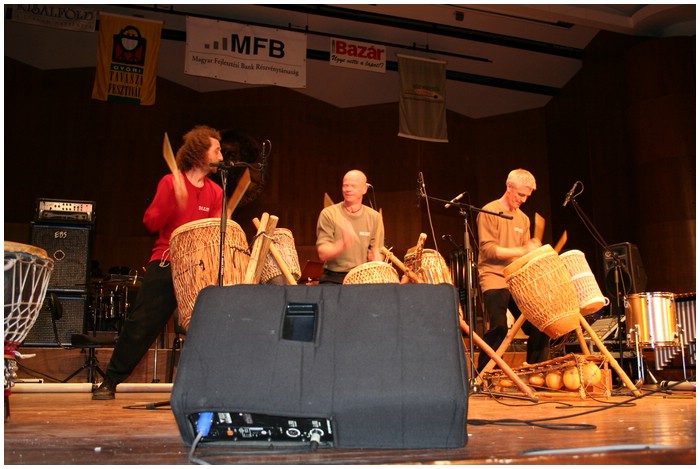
[104,392]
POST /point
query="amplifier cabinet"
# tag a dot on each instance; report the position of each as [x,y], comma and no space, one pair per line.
[72,321]
[69,247]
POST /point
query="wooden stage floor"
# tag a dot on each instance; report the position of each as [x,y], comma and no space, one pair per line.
[60,427]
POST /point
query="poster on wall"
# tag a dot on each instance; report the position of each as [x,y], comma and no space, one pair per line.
[245,54]
[358,55]
[422,103]
[127,59]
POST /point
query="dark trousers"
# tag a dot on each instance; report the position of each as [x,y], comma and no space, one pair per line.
[332,277]
[153,307]
[496,303]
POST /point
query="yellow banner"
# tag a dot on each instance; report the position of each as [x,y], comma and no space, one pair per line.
[127,59]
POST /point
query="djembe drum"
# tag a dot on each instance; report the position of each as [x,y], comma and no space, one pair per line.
[433,268]
[271,272]
[195,258]
[371,272]
[27,273]
[590,298]
[542,288]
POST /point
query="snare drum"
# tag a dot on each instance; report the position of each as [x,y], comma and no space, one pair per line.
[283,239]
[651,319]
[194,254]
[433,268]
[543,290]
[371,272]
[590,298]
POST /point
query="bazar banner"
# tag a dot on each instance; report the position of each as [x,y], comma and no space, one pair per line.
[70,17]
[358,55]
[127,59]
[245,54]
[422,103]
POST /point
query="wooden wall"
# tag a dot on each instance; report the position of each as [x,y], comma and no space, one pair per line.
[624,127]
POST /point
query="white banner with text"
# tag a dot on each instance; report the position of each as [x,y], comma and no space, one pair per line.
[245,54]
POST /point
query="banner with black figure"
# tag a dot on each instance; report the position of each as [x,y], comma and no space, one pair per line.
[127,59]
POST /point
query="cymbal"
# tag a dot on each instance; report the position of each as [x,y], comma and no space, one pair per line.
[123,280]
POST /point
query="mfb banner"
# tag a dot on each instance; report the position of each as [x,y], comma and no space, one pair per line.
[245,54]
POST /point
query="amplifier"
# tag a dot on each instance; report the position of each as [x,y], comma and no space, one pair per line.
[65,211]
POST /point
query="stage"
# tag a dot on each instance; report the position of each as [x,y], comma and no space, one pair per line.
[60,424]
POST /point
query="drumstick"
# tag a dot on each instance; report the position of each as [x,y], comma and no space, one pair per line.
[170,160]
[235,199]
[278,258]
[561,242]
[539,226]
[389,255]
[260,247]
[419,251]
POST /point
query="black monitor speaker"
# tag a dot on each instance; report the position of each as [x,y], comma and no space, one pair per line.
[630,276]
[347,366]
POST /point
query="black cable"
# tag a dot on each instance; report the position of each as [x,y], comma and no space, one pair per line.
[537,422]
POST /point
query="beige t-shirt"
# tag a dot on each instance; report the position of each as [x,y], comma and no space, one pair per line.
[366,225]
[498,231]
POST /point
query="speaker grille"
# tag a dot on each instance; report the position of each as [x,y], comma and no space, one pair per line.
[69,247]
[72,322]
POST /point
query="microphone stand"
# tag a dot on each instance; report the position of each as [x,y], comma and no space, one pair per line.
[468,302]
[620,287]
[224,166]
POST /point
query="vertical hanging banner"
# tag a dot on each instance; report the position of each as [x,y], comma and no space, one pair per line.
[422,104]
[127,59]
[245,54]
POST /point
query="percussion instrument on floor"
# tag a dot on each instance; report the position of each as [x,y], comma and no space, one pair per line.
[590,298]
[371,272]
[543,290]
[271,272]
[27,273]
[195,257]
[651,319]
[432,269]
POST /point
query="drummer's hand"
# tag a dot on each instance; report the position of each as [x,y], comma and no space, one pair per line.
[532,244]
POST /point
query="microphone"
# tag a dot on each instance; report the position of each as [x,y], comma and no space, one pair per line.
[370,185]
[449,238]
[570,194]
[235,164]
[222,165]
[448,204]
[420,192]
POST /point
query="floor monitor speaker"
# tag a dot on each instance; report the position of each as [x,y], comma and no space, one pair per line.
[347,366]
